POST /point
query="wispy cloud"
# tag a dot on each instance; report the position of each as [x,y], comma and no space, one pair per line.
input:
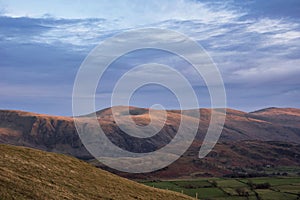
[44,43]
[125,12]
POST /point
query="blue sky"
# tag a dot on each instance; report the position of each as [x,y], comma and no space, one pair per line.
[255,44]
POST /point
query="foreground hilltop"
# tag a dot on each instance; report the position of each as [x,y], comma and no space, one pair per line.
[33,174]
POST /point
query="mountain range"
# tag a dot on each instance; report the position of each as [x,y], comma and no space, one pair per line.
[267,137]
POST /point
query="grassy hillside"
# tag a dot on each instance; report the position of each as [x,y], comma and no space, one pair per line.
[32,174]
[267,188]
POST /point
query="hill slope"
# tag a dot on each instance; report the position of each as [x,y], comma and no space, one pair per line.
[250,132]
[240,157]
[32,174]
[58,134]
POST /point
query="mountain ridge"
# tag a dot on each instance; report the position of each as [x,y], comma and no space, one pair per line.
[58,134]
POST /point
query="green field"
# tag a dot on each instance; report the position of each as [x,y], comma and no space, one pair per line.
[266,188]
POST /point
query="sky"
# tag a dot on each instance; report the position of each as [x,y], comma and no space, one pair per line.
[255,44]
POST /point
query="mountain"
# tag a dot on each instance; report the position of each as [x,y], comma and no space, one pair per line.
[50,133]
[286,117]
[246,131]
[243,158]
[27,173]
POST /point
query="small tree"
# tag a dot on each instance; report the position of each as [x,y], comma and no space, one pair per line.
[251,185]
[214,183]
[263,186]
[242,192]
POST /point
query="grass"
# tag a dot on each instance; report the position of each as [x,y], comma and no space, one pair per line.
[291,170]
[232,183]
[189,187]
[32,174]
[274,181]
[226,188]
[207,193]
[272,195]
[293,189]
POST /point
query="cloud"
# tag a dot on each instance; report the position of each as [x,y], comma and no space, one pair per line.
[270,70]
[128,13]
[266,25]
[44,44]
[32,90]
[57,22]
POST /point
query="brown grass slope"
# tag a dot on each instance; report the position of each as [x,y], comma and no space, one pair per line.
[58,134]
[33,174]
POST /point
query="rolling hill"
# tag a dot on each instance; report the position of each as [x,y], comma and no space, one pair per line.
[27,173]
[248,139]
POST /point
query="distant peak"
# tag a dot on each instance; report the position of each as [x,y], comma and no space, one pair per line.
[277,110]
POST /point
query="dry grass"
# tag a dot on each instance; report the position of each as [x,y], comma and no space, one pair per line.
[32,174]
